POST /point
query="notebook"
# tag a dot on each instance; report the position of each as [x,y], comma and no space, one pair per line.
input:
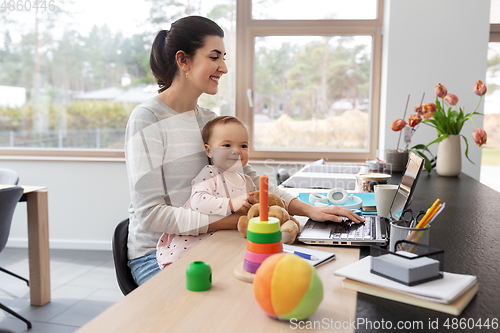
[322,256]
[443,295]
[375,229]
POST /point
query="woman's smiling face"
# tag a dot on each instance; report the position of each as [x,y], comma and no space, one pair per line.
[228,146]
[208,65]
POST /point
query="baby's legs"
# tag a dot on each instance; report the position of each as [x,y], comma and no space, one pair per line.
[172,247]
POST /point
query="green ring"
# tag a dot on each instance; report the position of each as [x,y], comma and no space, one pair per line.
[273,225]
[264,238]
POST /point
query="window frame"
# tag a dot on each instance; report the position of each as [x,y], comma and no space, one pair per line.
[246,31]
[495,32]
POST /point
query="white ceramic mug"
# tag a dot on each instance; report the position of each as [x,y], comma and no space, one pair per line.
[384,194]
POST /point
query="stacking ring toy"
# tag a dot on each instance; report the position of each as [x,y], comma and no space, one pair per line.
[265,248]
[264,238]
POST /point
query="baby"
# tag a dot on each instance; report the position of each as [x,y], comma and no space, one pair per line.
[219,189]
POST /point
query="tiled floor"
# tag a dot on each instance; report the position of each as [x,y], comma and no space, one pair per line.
[83,285]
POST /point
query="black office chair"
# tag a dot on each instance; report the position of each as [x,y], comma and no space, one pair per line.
[124,276]
[9,197]
[8,177]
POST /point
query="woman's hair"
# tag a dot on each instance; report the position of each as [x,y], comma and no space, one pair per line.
[207,130]
[186,34]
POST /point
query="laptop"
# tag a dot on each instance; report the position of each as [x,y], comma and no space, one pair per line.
[375,229]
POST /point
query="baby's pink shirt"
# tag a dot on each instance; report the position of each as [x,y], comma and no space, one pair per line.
[208,196]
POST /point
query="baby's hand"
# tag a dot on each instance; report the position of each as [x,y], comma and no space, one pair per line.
[240,204]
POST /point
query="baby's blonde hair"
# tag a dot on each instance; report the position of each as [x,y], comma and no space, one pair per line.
[207,130]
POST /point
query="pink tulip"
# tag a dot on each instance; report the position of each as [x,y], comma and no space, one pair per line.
[479,135]
[451,99]
[428,110]
[398,125]
[414,120]
[440,90]
[418,109]
[479,88]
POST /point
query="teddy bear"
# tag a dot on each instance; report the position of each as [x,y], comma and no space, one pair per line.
[290,227]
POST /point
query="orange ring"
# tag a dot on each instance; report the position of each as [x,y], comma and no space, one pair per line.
[264,248]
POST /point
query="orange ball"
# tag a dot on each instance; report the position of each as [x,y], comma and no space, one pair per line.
[286,286]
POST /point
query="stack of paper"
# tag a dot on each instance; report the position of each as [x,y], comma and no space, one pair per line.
[407,271]
[451,294]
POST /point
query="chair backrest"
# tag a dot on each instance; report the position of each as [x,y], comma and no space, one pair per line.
[125,279]
[8,177]
[9,197]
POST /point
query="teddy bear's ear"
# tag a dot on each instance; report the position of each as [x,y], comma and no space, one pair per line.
[280,213]
[243,225]
[256,197]
[274,200]
[253,211]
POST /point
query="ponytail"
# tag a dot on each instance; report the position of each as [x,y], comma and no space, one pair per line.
[160,63]
[186,34]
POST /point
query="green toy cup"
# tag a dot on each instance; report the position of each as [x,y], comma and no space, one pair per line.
[198,276]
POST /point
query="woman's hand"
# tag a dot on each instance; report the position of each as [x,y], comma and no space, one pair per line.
[333,213]
[321,214]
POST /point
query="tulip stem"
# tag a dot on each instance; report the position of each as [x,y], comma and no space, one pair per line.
[473,122]
[404,117]
[480,98]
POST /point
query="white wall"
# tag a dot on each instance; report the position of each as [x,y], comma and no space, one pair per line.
[428,42]
[86,201]
[425,42]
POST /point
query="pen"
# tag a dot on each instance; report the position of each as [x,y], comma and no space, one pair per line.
[303,255]
[424,219]
[436,214]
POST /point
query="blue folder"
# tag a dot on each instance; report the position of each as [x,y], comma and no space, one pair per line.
[368,200]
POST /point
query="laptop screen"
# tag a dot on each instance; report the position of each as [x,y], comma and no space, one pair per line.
[406,187]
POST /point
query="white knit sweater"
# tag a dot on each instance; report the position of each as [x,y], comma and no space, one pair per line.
[164,152]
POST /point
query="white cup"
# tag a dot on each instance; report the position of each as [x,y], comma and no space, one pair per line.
[384,195]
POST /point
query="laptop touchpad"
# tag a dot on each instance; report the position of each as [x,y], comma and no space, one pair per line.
[320,225]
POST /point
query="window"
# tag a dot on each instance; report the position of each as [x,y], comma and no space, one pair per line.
[71,76]
[308,81]
[490,155]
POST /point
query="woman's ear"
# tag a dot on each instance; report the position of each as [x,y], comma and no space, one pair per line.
[182,60]
[207,150]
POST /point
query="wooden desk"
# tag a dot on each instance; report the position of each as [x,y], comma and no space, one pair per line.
[164,304]
[468,230]
[38,242]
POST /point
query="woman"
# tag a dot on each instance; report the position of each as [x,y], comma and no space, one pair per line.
[164,150]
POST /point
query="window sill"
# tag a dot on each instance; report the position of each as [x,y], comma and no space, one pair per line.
[85,155]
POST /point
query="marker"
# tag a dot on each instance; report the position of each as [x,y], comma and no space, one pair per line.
[303,255]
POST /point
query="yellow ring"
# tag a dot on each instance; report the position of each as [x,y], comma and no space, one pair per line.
[272,226]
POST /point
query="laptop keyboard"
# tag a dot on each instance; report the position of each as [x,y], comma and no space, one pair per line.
[349,230]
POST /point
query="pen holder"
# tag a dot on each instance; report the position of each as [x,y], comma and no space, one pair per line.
[399,231]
